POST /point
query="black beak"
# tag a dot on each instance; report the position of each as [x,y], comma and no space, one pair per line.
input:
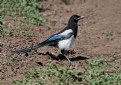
[81,17]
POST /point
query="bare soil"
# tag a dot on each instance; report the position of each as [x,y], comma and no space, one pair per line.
[98,34]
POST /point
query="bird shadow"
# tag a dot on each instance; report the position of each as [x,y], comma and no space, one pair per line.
[62,57]
[77,58]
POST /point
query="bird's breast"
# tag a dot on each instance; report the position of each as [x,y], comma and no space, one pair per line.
[66,44]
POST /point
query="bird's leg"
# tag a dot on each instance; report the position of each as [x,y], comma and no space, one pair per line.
[67,58]
[65,53]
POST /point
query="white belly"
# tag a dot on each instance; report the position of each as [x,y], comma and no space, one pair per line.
[66,44]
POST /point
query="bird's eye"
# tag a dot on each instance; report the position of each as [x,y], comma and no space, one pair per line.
[75,18]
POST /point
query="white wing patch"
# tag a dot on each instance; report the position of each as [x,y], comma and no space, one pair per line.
[66,32]
[66,44]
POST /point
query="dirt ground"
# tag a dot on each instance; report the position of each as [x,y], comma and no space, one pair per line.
[98,34]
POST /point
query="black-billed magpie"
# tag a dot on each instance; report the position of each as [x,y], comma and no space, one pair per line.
[63,39]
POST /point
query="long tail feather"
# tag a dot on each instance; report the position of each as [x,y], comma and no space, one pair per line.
[30,48]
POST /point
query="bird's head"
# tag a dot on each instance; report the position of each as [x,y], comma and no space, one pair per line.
[75,18]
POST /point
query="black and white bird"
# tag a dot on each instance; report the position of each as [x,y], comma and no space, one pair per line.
[62,40]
